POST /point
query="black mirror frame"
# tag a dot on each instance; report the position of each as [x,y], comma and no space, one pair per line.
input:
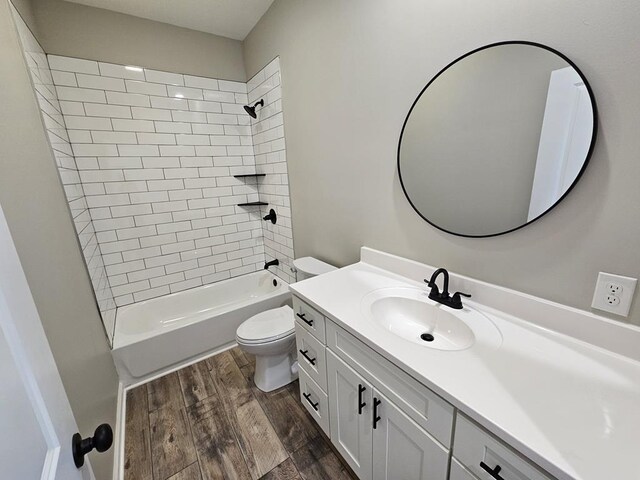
[576,180]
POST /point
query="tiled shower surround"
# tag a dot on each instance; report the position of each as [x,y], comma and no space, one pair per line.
[271,159]
[45,93]
[156,154]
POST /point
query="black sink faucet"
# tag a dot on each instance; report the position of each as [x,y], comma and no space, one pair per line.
[272,263]
[444,297]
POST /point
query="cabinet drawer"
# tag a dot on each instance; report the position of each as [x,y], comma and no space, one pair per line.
[315,401]
[422,405]
[310,319]
[478,451]
[311,356]
[458,472]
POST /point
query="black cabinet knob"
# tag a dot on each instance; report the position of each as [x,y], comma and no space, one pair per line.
[102,440]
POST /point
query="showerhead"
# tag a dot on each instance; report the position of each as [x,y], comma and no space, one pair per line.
[252,110]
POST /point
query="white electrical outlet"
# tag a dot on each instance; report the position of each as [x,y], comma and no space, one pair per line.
[612,300]
[614,293]
[614,288]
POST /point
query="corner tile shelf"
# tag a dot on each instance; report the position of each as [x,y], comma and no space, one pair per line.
[251,204]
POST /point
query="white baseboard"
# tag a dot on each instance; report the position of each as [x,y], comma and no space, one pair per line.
[118,455]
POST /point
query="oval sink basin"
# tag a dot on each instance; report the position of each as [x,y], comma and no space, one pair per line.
[409,314]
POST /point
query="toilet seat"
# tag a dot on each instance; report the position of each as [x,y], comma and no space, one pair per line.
[267,326]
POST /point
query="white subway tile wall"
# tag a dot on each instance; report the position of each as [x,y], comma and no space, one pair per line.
[156,153]
[270,155]
[52,110]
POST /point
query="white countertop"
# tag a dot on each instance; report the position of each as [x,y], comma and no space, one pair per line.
[571,407]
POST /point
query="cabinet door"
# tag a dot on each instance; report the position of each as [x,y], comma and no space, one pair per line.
[401,449]
[350,410]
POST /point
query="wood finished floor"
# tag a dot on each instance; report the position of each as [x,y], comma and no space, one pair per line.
[209,421]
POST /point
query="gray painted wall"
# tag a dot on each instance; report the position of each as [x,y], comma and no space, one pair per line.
[36,209]
[75,30]
[25,9]
[350,71]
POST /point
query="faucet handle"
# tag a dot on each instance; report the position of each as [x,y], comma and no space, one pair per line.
[432,285]
[455,300]
[456,297]
[434,294]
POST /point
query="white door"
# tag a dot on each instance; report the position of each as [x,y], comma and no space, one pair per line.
[401,449]
[35,417]
[564,140]
[350,407]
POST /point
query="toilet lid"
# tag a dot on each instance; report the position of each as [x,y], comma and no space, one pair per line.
[312,266]
[267,326]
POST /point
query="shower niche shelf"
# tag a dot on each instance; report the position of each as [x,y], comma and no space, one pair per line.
[253,204]
[247,175]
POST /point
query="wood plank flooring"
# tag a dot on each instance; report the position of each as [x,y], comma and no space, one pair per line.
[209,421]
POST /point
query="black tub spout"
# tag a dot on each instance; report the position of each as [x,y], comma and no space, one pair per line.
[272,263]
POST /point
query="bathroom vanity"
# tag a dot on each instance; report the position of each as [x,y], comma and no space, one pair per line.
[509,387]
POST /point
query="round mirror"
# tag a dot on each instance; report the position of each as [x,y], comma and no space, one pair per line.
[497,139]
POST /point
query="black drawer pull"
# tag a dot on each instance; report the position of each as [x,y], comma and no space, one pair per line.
[361,404]
[376,417]
[312,361]
[301,317]
[493,472]
[308,397]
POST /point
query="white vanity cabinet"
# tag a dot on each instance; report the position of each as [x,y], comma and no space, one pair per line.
[311,356]
[315,400]
[310,319]
[483,456]
[350,415]
[373,434]
[367,399]
[311,352]
[386,424]
[458,472]
[401,449]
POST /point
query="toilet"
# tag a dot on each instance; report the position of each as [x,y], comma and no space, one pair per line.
[270,335]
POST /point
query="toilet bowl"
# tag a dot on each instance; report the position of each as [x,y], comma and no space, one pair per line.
[270,335]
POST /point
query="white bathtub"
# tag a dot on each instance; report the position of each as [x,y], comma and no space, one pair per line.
[163,333]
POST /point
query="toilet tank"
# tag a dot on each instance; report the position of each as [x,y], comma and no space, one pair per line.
[307,267]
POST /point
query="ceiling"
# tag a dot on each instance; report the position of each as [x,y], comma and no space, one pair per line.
[228,18]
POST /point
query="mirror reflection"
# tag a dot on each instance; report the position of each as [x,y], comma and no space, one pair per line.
[496,139]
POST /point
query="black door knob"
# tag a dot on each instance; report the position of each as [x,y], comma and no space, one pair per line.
[102,440]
